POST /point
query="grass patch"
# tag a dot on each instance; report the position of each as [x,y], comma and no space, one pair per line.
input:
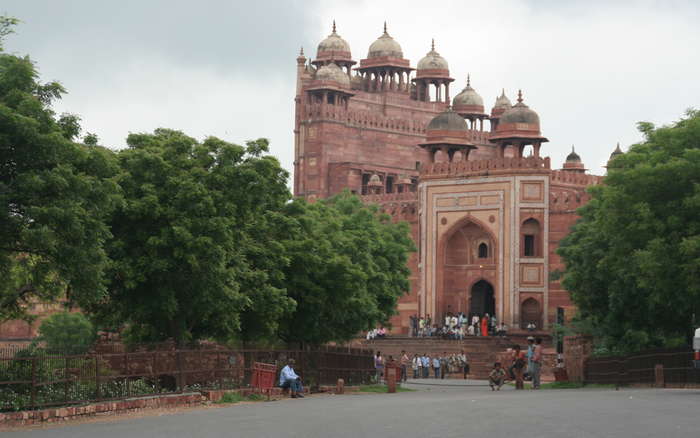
[382,389]
[567,385]
[230,397]
[234,397]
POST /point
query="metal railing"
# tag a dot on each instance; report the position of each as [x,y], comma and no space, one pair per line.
[44,380]
[640,368]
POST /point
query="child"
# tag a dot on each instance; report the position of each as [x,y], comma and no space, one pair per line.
[496,377]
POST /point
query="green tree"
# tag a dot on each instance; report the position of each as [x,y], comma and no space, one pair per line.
[633,259]
[67,333]
[54,195]
[191,255]
[348,267]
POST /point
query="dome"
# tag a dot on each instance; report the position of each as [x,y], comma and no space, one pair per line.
[385,46]
[468,101]
[520,113]
[432,61]
[447,121]
[374,181]
[333,45]
[573,157]
[502,101]
[616,152]
[331,72]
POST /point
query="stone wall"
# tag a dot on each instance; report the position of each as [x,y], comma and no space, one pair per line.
[576,350]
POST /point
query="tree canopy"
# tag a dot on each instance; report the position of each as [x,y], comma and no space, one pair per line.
[189,250]
[347,269]
[54,193]
[633,259]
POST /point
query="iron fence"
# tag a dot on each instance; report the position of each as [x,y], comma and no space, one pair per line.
[30,382]
[640,368]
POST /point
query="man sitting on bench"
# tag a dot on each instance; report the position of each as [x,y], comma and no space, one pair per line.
[289,379]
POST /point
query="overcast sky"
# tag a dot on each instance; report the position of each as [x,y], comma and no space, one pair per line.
[227,68]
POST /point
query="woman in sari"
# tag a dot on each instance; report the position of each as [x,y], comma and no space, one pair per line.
[485,325]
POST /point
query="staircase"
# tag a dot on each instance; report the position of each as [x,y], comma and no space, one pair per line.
[481,351]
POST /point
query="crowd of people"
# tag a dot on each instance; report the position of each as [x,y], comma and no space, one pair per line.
[424,366]
[523,366]
[457,326]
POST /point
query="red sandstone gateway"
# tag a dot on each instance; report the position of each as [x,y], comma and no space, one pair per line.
[485,209]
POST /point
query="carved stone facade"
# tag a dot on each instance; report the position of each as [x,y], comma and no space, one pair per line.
[486,218]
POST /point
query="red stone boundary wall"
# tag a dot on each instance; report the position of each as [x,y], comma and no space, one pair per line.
[69,413]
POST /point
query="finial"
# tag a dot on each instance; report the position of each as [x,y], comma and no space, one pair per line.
[503,92]
[301,52]
[333,26]
[520,96]
[432,45]
[468,80]
[572,149]
[385,32]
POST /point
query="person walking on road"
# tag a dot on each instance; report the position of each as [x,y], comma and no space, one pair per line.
[518,366]
[536,363]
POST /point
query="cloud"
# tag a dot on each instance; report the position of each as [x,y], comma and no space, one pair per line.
[227,68]
[591,70]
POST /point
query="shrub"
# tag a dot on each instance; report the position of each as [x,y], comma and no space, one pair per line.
[67,333]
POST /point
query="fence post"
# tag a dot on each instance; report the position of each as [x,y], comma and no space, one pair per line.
[65,382]
[98,391]
[33,394]
[180,385]
[154,375]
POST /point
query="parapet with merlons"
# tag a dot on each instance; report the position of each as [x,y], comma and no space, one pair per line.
[401,206]
[563,177]
[493,166]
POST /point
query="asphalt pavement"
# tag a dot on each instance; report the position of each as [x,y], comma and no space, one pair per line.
[436,409]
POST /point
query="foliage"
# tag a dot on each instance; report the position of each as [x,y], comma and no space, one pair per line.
[230,397]
[192,253]
[348,267]
[55,195]
[67,333]
[383,389]
[633,259]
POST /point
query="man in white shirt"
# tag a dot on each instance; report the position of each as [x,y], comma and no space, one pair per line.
[289,379]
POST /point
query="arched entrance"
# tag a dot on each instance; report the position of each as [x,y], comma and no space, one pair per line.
[482,300]
[530,313]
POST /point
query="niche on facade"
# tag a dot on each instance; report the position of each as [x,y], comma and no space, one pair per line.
[469,245]
[531,238]
[531,312]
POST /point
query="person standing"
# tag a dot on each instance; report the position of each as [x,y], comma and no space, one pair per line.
[475,324]
[464,363]
[379,366]
[425,360]
[518,366]
[421,326]
[436,366]
[404,361]
[485,325]
[528,354]
[444,365]
[536,363]
[416,366]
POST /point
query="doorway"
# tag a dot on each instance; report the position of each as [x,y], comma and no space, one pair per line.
[482,300]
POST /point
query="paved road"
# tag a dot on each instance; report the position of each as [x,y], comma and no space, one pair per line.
[434,411]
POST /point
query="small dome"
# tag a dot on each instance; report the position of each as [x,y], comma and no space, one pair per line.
[385,46]
[502,101]
[573,157]
[374,181]
[616,152]
[332,43]
[447,121]
[432,61]
[468,101]
[520,113]
[331,72]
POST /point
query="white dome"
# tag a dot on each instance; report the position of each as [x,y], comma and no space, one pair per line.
[331,72]
[385,46]
[332,43]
